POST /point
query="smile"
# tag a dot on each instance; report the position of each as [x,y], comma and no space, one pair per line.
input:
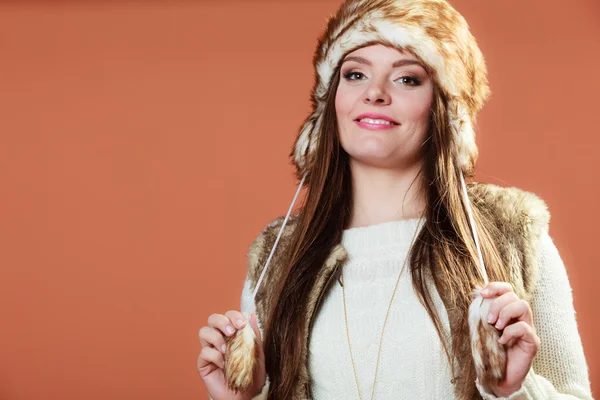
[375,124]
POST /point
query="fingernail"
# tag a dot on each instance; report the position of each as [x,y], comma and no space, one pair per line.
[485,292]
[501,339]
[229,329]
[499,324]
[223,348]
[240,322]
[490,317]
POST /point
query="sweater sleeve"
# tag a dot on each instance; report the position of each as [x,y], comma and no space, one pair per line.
[559,369]
[248,305]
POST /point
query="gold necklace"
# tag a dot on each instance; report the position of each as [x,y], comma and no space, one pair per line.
[384,321]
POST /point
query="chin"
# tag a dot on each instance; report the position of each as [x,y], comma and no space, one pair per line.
[374,160]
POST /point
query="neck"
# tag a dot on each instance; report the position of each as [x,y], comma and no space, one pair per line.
[384,195]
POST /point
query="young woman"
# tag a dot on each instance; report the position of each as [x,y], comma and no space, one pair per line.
[368,293]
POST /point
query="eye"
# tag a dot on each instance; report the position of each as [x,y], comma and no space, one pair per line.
[410,80]
[407,79]
[349,74]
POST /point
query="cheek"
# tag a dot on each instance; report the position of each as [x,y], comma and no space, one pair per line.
[342,103]
[416,109]
[343,109]
[344,106]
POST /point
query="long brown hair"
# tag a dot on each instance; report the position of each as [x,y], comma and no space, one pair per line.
[444,250]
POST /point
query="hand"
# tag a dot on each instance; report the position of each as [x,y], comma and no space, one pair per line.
[512,315]
[211,361]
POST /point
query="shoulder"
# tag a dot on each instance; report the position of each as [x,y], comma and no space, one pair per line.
[520,222]
[259,249]
[511,206]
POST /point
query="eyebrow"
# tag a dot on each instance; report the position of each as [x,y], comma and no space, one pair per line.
[399,63]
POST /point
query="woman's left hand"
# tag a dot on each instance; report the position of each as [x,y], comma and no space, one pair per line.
[513,315]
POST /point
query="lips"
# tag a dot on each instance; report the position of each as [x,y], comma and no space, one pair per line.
[376,116]
[376,127]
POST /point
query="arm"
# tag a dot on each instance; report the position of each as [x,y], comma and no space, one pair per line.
[247,305]
[559,368]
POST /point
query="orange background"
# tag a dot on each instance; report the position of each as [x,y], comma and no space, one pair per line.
[143,146]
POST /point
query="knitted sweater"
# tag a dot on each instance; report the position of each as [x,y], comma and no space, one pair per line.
[412,364]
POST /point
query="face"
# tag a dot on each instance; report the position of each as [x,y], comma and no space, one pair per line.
[388,86]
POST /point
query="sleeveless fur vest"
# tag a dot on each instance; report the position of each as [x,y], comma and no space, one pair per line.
[520,216]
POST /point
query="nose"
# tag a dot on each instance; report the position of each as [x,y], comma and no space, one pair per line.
[376,93]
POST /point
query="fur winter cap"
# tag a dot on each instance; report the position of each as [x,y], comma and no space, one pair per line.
[434,32]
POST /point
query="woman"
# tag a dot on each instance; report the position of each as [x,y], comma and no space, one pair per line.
[368,293]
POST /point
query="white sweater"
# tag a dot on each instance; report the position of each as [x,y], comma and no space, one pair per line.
[412,364]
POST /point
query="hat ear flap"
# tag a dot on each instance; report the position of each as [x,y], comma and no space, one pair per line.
[461,127]
[306,143]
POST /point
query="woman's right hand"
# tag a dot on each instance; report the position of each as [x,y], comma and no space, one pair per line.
[211,361]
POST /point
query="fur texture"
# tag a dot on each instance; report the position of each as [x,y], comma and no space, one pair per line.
[241,358]
[521,218]
[435,32]
[489,356]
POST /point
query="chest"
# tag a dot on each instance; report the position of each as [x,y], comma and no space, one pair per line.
[411,362]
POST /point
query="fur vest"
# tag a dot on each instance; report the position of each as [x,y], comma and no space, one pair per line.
[520,216]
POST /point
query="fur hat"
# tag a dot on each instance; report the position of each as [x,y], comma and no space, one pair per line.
[434,32]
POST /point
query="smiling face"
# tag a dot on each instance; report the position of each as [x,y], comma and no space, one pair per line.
[382,84]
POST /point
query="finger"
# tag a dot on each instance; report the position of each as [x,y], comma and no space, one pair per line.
[212,337]
[205,367]
[210,355]
[520,331]
[237,318]
[222,323]
[496,289]
[498,304]
[518,310]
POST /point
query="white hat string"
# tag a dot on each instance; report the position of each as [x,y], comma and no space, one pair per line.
[469,213]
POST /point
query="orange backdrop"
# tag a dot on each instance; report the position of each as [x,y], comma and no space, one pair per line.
[143,145]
